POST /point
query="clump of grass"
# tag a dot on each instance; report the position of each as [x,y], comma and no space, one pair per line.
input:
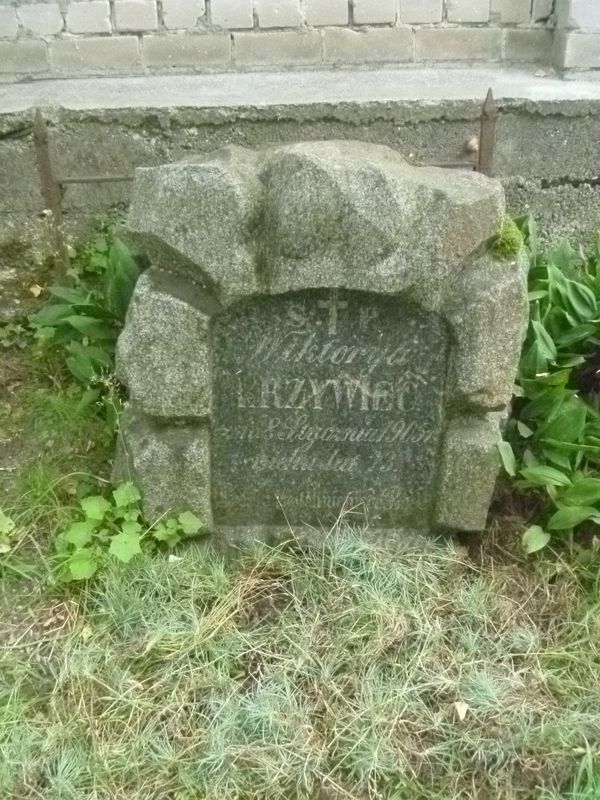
[345,671]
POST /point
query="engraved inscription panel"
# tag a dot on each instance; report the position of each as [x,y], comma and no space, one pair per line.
[326,399]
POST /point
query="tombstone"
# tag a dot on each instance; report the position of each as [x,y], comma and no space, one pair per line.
[323,330]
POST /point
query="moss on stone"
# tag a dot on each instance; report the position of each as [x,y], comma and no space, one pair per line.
[509,241]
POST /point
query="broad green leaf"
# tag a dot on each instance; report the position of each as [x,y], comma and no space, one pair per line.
[81,368]
[82,565]
[544,341]
[95,507]
[162,533]
[121,276]
[190,523]
[130,526]
[77,297]
[568,424]
[534,539]
[558,456]
[125,546]
[7,525]
[126,494]
[537,294]
[91,327]
[583,492]
[582,299]
[81,533]
[577,334]
[97,355]
[570,516]
[542,475]
[507,457]
[51,315]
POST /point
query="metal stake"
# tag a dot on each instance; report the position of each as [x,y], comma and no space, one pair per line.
[487,135]
[51,192]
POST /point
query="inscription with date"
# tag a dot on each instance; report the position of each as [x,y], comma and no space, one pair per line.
[326,400]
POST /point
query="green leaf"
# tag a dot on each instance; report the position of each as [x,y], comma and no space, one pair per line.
[524,430]
[534,539]
[568,424]
[583,492]
[537,294]
[507,457]
[544,341]
[126,494]
[130,526]
[81,533]
[51,315]
[7,525]
[91,327]
[542,476]
[577,334]
[190,523]
[75,297]
[121,276]
[570,516]
[125,546]
[581,299]
[165,534]
[82,565]
[81,368]
[95,507]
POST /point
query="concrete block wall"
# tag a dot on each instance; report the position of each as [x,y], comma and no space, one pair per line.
[577,37]
[42,38]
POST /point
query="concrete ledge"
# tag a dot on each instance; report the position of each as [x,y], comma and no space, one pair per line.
[270,89]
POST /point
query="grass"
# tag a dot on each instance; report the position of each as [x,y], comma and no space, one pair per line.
[345,672]
[342,672]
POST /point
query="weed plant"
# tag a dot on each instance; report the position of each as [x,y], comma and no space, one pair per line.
[555,427]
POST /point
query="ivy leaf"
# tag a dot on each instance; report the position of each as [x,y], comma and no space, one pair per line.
[7,525]
[80,533]
[126,494]
[190,523]
[125,546]
[95,507]
[534,539]
[82,565]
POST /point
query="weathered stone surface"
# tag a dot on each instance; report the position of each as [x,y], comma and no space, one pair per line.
[334,318]
[468,469]
[325,399]
[346,210]
[170,463]
[485,362]
[196,216]
[162,355]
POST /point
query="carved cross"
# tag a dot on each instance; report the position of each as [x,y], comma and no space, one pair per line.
[334,305]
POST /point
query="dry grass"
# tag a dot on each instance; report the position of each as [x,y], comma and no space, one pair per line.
[336,673]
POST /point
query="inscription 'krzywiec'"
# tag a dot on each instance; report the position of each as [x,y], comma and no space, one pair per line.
[327,394]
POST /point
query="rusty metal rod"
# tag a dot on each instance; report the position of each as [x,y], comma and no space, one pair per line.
[487,135]
[94,179]
[51,192]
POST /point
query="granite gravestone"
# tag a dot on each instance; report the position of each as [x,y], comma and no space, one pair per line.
[323,328]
